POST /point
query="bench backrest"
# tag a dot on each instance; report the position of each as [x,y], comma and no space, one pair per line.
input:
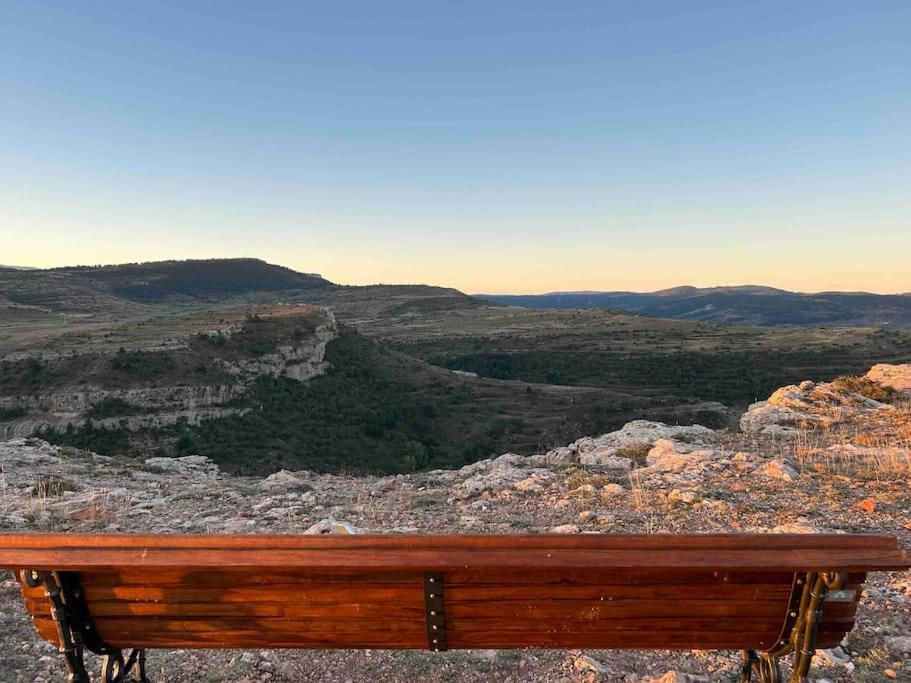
[440,592]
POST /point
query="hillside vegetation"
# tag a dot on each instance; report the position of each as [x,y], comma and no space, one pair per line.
[638,355]
[378,411]
[125,288]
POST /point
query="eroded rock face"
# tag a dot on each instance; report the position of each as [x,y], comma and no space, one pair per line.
[299,362]
[164,406]
[26,428]
[65,404]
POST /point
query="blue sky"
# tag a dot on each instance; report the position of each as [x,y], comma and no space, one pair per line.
[490,146]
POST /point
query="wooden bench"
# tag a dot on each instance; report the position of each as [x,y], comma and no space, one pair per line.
[766,595]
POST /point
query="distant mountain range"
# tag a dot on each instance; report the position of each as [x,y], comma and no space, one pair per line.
[135,286]
[744,305]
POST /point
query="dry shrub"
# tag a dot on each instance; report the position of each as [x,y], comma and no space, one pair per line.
[856,384]
[576,477]
[48,487]
[637,452]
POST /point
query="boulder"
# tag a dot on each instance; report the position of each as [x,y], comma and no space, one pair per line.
[192,466]
[646,431]
[605,456]
[283,480]
[492,481]
[779,470]
[896,377]
[585,664]
[564,455]
[899,644]
[673,456]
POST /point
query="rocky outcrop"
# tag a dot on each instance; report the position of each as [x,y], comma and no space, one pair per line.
[29,427]
[608,450]
[193,466]
[300,362]
[163,406]
[807,405]
[645,432]
[72,403]
[668,455]
[897,377]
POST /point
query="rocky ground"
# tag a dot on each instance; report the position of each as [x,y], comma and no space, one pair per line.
[828,457]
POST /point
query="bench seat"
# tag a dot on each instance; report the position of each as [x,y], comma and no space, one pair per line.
[743,592]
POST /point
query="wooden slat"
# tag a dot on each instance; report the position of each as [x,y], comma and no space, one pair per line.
[485,592]
[462,541]
[222,577]
[447,560]
[791,553]
[582,610]
[328,595]
[238,578]
[646,638]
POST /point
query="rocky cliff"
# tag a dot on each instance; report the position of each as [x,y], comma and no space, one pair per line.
[167,405]
[811,458]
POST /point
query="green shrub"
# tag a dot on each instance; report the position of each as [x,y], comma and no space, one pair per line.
[11,413]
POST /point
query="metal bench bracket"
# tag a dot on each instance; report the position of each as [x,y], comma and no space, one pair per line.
[77,633]
[809,593]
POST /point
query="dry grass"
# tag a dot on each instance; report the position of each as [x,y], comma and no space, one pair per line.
[637,452]
[856,384]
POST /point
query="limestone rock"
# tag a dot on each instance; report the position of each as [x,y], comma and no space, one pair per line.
[808,405]
[565,455]
[646,431]
[610,490]
[677,677]
[673,456]
[897,377]
[798,527]
[605,456]
[835,656]
[192,466]
[334,527]
[899,644]
[586,664]
[779,470]
[283,480]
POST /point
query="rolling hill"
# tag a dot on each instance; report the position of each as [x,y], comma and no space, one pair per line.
[94,289]
[744,305]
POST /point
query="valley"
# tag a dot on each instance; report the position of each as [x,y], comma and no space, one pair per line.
[261,368]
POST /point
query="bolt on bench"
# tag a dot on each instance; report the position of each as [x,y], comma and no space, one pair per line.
[767,595]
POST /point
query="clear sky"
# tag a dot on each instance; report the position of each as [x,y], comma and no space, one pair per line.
[494,146]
